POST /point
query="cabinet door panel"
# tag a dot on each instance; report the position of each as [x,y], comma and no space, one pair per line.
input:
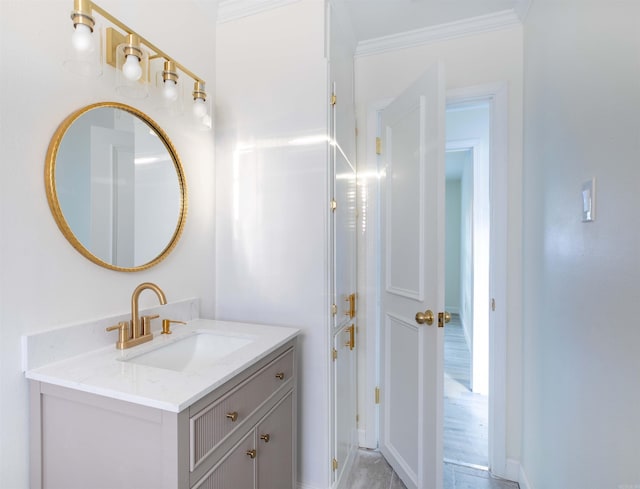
[236,471]
[275,447]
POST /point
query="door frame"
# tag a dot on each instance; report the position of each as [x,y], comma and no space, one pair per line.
[496,94]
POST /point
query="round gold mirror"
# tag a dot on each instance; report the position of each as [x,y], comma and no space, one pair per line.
[116,187]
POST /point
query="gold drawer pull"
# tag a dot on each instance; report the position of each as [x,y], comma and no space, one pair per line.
[233,416]
[251,453]
[280,375]
[266,437]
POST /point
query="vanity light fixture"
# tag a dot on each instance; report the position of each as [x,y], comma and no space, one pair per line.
[132,56]
[84,55]
[83,24]
[132,66]
[170,81]
[199,99]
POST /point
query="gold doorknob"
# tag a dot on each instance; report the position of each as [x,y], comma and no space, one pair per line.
[425,317]
[443,317]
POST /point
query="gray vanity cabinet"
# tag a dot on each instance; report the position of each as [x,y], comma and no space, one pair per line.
[81,440]
[275,457]
[263,459]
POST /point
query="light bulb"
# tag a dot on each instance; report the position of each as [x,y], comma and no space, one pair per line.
[170,90]
[131,68]
[199,108]
[82,38]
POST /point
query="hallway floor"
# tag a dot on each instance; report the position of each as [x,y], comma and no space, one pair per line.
[466,413]
[465,431]
[371,471]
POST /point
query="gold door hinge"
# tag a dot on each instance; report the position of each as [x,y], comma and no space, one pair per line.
[334,464]
[334,204]
[334,309]
[378,146]
[334,354]
[493,304]
[377,395]
[334,99]
[357,419]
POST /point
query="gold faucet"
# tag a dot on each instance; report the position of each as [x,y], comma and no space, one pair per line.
[138,330]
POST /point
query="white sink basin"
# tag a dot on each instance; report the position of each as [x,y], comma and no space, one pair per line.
[191,353]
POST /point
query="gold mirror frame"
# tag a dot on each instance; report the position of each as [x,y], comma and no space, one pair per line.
[52,196]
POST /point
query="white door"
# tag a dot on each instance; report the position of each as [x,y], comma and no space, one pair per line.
[412,153]
[343,221]
[112,196]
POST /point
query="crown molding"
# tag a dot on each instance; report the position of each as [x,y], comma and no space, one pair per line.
[522,8]
[229,10]
[441,32]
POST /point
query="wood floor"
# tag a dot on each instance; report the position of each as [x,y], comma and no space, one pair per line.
[465,413]
[371,471]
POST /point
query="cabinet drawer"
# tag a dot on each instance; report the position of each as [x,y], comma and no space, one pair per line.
[214,423]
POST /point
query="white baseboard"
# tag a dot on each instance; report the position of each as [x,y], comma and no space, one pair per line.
[512,470]
[523,480]
[363,440]
[302,485]
[509,471]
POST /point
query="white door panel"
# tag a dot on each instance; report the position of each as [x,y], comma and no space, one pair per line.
[412,270]
[345,237]
[404,231]
[343,262]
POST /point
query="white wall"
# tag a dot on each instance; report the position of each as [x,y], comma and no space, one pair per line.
[468,61]
[272,197]
[44,282]
[582,367]
[452,245]
[466,253]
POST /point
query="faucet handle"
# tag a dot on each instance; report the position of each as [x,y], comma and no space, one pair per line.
[123,333]
[146,324]
[166,325]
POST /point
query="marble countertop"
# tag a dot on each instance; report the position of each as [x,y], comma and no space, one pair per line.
[106,371]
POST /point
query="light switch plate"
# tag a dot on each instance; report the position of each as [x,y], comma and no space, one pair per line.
[589,200]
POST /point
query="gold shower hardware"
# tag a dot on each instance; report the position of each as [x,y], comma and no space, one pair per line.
[232,416]
[280,375]
[251,453]
[425,317]
[265,438]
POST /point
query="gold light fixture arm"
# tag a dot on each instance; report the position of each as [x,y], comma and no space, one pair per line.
[158,52]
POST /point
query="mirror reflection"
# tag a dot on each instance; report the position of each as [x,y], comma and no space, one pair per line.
[116,187]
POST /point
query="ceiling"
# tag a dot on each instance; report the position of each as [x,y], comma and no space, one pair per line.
[372,19]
